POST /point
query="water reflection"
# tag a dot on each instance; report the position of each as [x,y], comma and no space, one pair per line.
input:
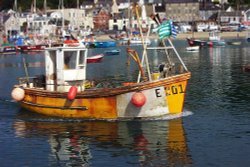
[215,55]
[153,143]
[18,60]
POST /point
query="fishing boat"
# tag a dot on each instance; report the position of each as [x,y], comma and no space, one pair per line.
[8,48]
[65,92]
[197,42]
[215,38]
[26,48]
[95,59]
[30,44]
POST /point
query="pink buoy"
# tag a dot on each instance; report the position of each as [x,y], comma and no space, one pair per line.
[138,99]
[17,94]
[72,93]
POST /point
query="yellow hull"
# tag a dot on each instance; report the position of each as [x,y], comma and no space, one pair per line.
[165,96]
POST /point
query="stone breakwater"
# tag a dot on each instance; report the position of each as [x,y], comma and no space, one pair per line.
[203,35]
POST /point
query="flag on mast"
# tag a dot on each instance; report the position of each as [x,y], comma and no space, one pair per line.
[167,29]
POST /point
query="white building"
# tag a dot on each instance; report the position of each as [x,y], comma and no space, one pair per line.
[77,17]
[10,24]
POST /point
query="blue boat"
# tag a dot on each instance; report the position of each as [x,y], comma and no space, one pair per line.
[112,52]
[248,36]
[8,48]
[105,44]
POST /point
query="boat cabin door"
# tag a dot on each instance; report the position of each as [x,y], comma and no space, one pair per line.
[65,67]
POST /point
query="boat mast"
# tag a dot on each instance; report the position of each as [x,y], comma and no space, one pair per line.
[45,6]
[144,44]
[78,10]
[15,6]
[17,15]
[34,5]
[61,6]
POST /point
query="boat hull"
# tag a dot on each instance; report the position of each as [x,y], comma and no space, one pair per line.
[95,59]
[32,47]
[105,44]
[165,96]
[112,52]
[193,48]
[8,50]
[196,42]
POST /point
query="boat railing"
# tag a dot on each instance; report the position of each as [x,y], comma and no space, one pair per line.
[39,82]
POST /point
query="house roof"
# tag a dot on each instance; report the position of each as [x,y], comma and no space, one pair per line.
[5,18]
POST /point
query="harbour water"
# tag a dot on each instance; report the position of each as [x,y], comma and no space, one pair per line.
[213,131]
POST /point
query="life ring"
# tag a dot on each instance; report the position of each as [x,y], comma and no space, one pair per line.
[72,43]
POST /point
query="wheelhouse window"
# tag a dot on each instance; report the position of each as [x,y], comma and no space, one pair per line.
[81,59]
[70,60]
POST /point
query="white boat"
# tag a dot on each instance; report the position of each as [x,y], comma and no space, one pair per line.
[193,48]
[215,39]
[134,41]
[234,42]
[95,59]
[137,40]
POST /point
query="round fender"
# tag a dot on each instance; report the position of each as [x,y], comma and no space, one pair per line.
[72,93]
[17,94]
[138,99]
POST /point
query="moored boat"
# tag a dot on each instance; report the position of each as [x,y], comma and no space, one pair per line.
[104,44]
[197,42]
[193,48]
[234,42]
[215,38]
[65,92]
[26,48]
[95,59]
[8,48]
[112,52]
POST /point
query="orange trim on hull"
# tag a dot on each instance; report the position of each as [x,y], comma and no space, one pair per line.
[96,108]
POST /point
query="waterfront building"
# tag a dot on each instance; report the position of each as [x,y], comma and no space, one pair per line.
[182,10]
[9,23]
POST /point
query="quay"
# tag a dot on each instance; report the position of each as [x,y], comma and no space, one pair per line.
[234,34]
